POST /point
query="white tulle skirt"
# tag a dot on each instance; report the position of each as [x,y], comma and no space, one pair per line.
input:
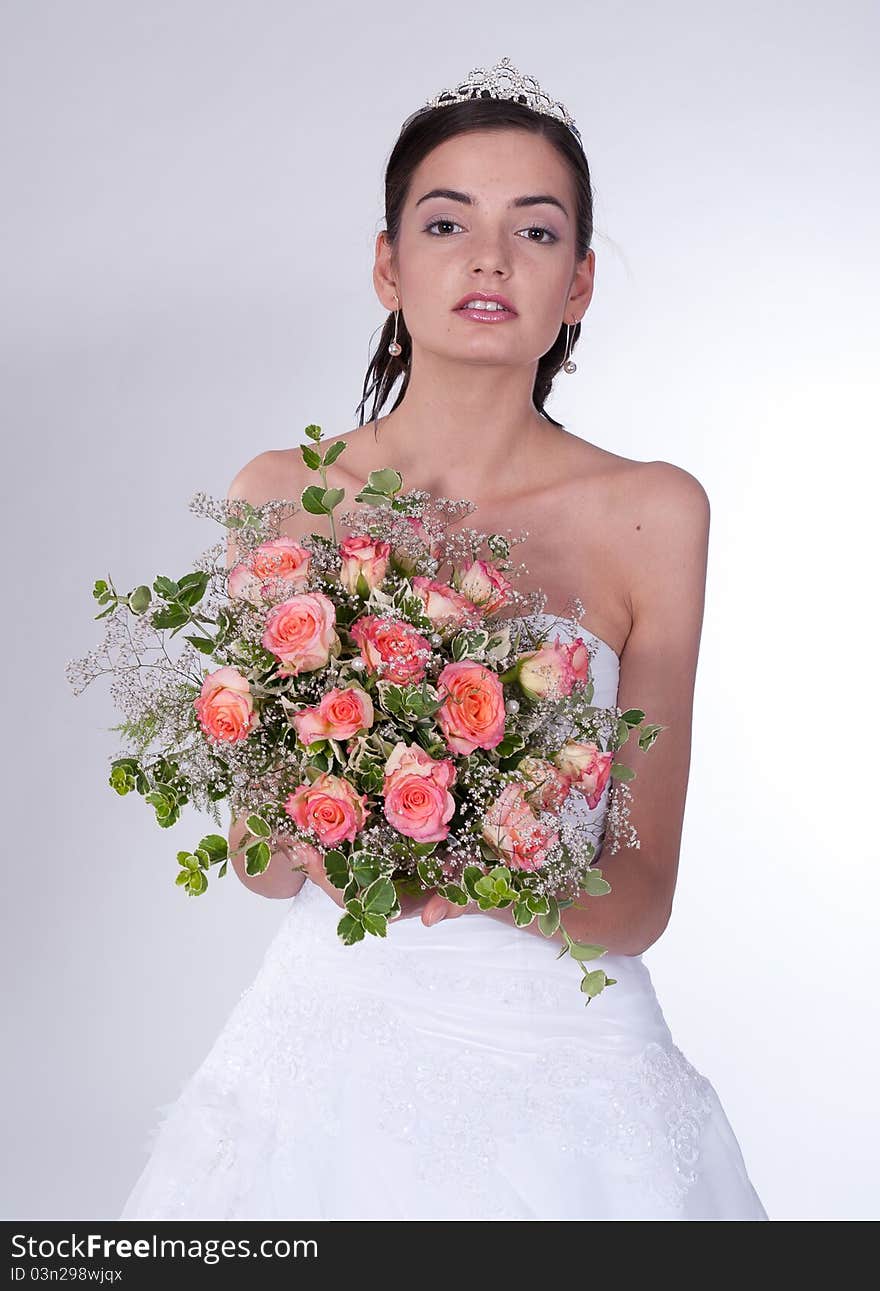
[445,1072]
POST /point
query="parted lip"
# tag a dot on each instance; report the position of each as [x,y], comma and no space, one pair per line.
[485,295]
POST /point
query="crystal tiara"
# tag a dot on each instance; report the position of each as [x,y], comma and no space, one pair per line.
[503,81]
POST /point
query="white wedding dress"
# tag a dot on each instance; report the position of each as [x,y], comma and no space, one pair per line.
[444,1072]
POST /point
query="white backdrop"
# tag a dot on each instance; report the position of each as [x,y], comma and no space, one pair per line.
[193,191]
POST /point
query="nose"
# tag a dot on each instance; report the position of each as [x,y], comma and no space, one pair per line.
[490,257]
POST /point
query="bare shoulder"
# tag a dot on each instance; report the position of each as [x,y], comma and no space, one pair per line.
[270,475]
[668,520]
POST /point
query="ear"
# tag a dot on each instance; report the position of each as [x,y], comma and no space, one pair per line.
[384,276]
[581,292]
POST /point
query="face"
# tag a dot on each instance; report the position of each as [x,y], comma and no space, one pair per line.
[479,241]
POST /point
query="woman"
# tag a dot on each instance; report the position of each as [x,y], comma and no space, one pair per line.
[451,1069]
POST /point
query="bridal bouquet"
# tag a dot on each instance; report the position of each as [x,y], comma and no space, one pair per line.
[340,697]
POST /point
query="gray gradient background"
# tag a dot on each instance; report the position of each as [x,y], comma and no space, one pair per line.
[192,193]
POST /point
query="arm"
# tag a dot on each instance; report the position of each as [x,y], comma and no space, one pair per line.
[257,482]
[657,674]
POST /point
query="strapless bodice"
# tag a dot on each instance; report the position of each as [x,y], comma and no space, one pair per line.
[604,660]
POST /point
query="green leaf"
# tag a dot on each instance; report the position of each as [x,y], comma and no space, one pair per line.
[470,877]
[593,982]
[193,588]
[311,457]
[549,923]
[139,600]
[313,432]
[257,856]
[336,867]
[454,893]
[632,716]
[621,772]
[172,616]
[387,481]
[257,825]
[165,587]
[595,885]
[334,451]
[332,498]
[216,846]
[380,897]
[583,950]
[377,924]
[365,868]
[350,929]
[312,500]
[649,735]
[204,644]
[198,883]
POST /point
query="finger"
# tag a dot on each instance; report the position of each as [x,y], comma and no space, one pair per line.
[438,908]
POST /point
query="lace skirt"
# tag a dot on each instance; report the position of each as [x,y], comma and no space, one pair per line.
[445,1072]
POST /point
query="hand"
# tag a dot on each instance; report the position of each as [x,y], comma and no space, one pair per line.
[430,904]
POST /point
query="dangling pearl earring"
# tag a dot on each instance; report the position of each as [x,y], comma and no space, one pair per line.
[393,346]
[569,364]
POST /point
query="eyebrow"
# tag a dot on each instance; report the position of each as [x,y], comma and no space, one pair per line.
[534,199]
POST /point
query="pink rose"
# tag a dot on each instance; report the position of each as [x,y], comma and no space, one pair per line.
[472,716]
[416,790]
[341,713]
[514,832]
[301,633]
[364,558]
[226,707]
[546,673]
[395,650]
[485,585]
[579,658]
[586,767]
[546,786]
[443,605]
[332,807]
[277,566]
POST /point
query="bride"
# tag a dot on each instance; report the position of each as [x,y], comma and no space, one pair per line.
[451,1069]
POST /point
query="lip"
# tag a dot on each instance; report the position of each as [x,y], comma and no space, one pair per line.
[492,317]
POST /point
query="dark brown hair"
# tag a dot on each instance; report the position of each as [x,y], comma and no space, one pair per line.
[421,133]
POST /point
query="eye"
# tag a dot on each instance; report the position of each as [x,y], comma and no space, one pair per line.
[440,221]
[539,228]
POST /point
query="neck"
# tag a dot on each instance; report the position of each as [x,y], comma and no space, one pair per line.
[463,429]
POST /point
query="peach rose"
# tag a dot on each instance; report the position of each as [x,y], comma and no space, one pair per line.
[443,605]
[484,585]
[395,650]
[472,716]
[364,558]
[332,807]
[277,566]
[243,585]
[546,785]
[341,713]
[416,791]
[226,707]
[301,633]
[546,673]
[514,832]
[586,767]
